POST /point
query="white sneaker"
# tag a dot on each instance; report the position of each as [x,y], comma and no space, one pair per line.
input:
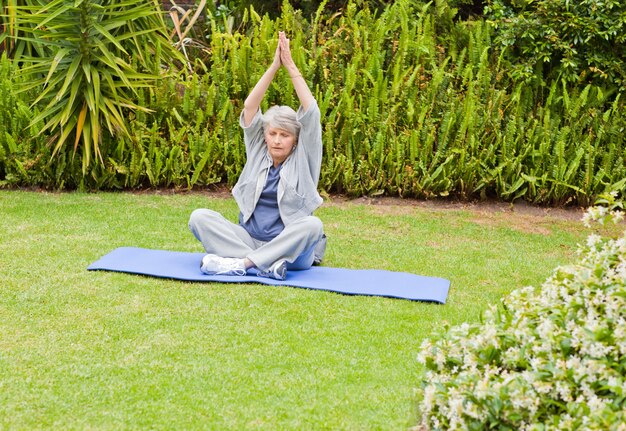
[216,265]
[278,271]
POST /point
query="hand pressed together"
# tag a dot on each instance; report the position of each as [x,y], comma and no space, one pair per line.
[282,55]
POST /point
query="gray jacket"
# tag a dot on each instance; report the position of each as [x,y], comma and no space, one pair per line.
[297,187]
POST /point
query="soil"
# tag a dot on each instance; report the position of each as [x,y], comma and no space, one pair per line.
[519,216]
[389,205]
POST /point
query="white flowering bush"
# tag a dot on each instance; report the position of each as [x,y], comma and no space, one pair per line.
[552,358]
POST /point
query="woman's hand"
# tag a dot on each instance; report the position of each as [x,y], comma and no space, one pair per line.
[276,63]
[285,54]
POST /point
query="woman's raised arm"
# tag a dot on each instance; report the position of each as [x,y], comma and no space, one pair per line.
[299,84]
[253,101]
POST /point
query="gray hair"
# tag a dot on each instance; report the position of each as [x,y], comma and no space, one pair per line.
[282,117]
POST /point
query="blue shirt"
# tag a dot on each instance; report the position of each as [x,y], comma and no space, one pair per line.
[265,223]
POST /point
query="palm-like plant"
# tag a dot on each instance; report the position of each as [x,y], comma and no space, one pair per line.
[92,58]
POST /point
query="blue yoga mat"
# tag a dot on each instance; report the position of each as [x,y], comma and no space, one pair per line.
[186,266]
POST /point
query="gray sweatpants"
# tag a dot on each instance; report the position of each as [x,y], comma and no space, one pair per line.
[295,244]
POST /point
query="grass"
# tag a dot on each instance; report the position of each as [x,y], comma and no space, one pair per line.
[109,351]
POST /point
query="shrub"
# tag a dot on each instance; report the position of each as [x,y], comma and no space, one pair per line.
[92,59]
[582,41]
[23,157]
[548,359]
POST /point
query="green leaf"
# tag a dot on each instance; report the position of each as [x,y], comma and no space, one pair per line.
[55,62]
[69,78]
[109,37]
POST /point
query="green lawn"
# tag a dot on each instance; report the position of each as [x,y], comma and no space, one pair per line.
[110,351]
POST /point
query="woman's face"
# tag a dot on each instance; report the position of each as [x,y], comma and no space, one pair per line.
[280,143]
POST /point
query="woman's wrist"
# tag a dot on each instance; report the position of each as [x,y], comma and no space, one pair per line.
[293,72]
[274,67]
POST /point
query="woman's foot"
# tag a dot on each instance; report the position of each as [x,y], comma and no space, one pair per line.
[213,264]
[278,271]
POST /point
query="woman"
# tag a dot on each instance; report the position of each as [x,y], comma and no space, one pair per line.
[277,190]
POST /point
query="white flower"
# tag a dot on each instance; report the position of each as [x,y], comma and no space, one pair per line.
[545,329]
[429,398]
[564,391]
[595,403]
[593,240]
[482,388]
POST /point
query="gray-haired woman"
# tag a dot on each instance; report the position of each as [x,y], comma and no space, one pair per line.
[277,190]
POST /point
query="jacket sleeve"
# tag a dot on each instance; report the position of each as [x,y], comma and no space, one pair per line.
[310,139]
[253,135]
